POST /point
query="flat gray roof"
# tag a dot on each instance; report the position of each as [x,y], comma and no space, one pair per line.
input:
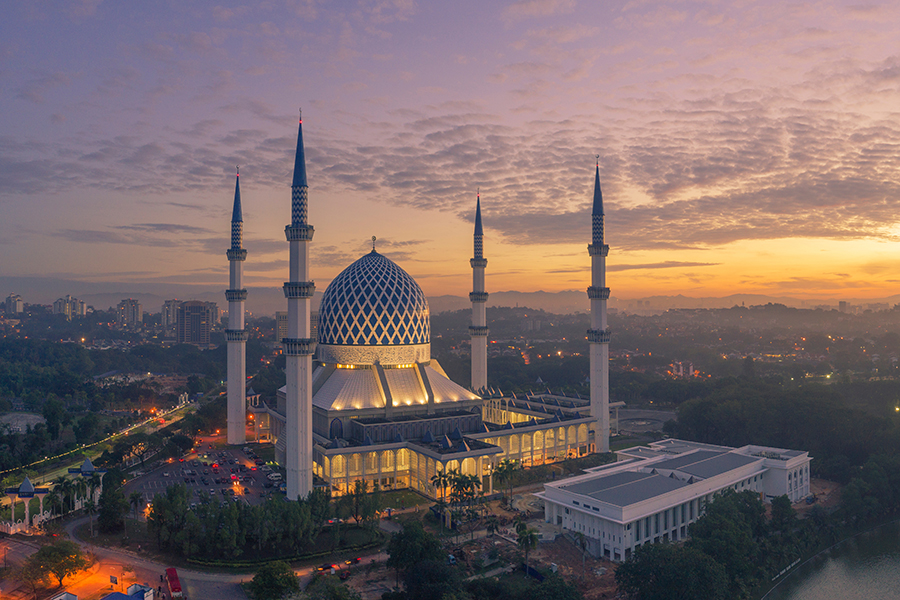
[676,463]
[718,465]
[628,487]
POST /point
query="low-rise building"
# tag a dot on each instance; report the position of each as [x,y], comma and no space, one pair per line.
[652,493]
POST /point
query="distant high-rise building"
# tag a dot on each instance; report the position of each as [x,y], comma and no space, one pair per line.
[14,305]
[842,306]
[169,317]
[68,306]
[281,325]
[129,314]
[194,322]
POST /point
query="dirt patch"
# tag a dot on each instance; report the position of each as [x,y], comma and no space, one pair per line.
[596,579]
[20,421]
[828,495]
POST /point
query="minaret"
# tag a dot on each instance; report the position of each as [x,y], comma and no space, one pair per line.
[298,345]
[478,330]
[598,334]
[236,335]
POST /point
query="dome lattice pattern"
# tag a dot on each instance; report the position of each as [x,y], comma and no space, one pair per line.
[373,302]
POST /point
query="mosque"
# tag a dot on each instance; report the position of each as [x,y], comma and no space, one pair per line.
[365,400]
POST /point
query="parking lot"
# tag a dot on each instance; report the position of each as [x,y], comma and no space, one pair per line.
[234,474]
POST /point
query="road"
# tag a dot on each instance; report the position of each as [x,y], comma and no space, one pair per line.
[197,585]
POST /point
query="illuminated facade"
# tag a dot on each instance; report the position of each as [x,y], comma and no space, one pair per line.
[365,400]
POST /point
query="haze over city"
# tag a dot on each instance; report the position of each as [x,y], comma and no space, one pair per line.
[743,148]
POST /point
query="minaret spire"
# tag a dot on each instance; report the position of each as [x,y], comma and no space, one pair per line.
[478,330]
[298,345]
[598,335]
[236,335]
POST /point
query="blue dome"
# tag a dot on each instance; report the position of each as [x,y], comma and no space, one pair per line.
[373,302]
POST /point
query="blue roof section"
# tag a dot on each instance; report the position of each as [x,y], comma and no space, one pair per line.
[299,161]
[373,302]
[598,195]
[236,215]
[478,229]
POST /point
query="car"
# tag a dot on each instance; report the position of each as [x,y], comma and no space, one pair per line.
[259,462]
[352,561]
[262,494]
[166,474]
[246,491]
[206,471]
[269,484]
[326,567]
[187,479]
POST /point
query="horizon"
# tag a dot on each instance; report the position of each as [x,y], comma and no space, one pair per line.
[742,149]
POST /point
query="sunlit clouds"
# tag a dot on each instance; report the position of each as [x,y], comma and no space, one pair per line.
[743,147]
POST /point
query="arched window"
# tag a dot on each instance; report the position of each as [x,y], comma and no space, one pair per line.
[337,429]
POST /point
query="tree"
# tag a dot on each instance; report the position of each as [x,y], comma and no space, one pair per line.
[783,514]
[411,546]
[527,541]
[61,558]
[431,579]
[668,572]
[504,473]
[582,543]
[33,574]
[135,499]
[273,580]
[440,480]
[329,587]
[90,507]
[113,507]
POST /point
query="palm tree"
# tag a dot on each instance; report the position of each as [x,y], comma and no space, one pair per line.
[90,507]
[440,480]
[527,541]
[504,472]
[582,543]
[135,499]
[55,499]
[492,525]
[66,488]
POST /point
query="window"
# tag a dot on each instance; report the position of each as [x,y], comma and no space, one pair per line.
[656,523]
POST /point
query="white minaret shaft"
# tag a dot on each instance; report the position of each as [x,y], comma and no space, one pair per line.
[478,330]
[598,334]
[298,345]
[236,335]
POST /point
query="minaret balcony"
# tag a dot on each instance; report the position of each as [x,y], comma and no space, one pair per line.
[478,331]
[299,233]
[478,262]
[299,289]
[598,293]
[598,336]
[598,249]
[237,335]
[236,254]
[478,296]
[235,295]
[297,346]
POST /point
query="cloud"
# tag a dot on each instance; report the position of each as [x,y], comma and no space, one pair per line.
[525,9]
[669,264]
[34,90]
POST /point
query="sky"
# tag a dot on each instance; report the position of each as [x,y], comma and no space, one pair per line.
[744,147]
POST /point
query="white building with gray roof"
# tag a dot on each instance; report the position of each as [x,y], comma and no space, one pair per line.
[654,492]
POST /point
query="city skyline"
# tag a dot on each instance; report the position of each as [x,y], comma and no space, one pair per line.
[743,149]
